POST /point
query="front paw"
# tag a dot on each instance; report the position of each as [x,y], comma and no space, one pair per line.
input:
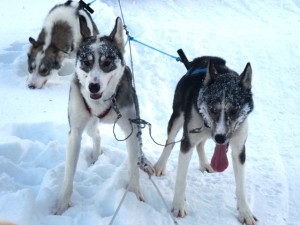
[94,156]
[179,212]
[60,208]
[63,202]
[246,217]
[206,167]
[179,209]
[149,169]
[146,166]
[137,193]
[159,169]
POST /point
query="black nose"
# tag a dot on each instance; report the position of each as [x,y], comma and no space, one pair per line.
[31,86]
[94,87]
[220,138]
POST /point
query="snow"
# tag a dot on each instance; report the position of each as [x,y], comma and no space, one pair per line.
[34,126]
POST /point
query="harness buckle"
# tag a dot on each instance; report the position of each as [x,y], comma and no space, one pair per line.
[115,107]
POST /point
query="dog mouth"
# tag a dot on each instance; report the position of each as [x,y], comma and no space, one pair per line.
[33,85]
[96,96]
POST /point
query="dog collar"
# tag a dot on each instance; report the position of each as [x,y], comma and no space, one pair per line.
[113,104]
[102,114]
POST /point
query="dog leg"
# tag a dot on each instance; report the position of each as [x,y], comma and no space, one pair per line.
[78,118]
[74,142]
[204,163]
[245,214]
[238,159]
[180,185]
[134,183]
[174,126]
[94,133]
[133,146]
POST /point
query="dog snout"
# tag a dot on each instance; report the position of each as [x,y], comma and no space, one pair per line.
[220,138]
[94,87]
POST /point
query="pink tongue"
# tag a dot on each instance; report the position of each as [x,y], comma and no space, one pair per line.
[219,161]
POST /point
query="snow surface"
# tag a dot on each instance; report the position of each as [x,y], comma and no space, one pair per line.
[34,127]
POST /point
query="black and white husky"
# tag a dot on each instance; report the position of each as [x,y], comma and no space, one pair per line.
[101,92]
[210,101]
[58,40]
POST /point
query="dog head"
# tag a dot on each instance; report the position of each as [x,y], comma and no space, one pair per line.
[43,62]
[100,63]
[225,101]
[56,42]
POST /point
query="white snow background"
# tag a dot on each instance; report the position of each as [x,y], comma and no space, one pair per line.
[34,125]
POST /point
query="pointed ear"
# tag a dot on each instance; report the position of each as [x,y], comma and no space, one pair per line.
[210,74]
[84,29]
[246,77]
[33,42]
[117,34]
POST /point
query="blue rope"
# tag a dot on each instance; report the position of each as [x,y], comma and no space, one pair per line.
[127,41]
[130,38]
[91,2]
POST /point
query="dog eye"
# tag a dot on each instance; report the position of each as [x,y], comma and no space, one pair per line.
[213,110]
[31,68]
[86,60]
[106,63]
[233,110]
[87,63]
[56,65]
[44,71]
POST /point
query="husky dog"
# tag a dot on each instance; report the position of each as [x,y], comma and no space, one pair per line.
[58,40]
[102,91]
[210,101]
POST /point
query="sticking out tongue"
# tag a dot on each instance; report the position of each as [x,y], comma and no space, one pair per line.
[219,161]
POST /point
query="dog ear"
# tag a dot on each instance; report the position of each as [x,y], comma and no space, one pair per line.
[33,42]
[117,34]
[246,77]
[210,74]
[84,29]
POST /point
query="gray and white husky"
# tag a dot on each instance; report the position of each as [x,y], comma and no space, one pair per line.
[58,41]
[102,91]
[210,101]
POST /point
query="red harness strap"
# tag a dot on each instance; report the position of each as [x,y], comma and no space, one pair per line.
[102,114]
